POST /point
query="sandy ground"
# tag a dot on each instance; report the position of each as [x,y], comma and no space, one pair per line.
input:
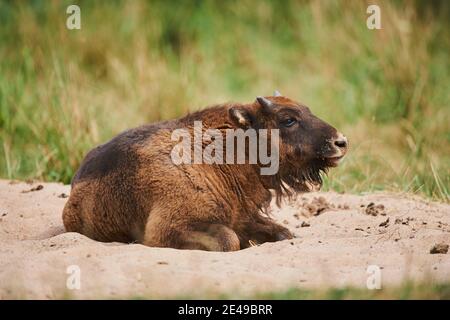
[338,237]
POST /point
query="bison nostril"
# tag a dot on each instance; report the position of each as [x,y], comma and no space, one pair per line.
[341,143]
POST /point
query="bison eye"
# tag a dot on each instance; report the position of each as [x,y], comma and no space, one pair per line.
[288,122]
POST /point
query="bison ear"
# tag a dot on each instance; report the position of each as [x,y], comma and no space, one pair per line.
[240,116]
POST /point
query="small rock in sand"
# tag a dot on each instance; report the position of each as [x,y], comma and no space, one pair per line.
[37,188]
[439,248]
[318,205]
[374,210]
[305,224]
[385,223]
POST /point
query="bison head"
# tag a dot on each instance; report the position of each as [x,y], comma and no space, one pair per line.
[307,146]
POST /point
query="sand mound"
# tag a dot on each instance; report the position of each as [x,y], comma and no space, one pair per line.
[338,237]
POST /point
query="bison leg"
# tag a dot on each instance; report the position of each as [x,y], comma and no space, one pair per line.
[267,231]
[215,237]
[209,237]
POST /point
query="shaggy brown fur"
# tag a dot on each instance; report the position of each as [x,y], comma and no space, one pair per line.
[129,190]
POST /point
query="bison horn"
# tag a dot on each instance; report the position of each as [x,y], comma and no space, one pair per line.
[264,102]
[277,93]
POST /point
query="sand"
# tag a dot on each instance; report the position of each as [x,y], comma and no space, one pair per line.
[338,237]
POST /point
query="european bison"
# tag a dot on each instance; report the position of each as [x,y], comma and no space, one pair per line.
[130,190]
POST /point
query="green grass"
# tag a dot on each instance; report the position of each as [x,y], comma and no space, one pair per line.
[406,291]
[63,92]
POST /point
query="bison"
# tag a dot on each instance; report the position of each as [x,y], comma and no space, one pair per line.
[130,190]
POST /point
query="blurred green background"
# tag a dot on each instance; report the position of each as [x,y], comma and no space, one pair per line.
[64,91]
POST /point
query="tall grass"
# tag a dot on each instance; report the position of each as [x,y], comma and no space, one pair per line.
[63,91]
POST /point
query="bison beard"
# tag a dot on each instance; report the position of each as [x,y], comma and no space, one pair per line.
[292,179]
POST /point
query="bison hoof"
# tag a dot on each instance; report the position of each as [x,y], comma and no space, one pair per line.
[283,235]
